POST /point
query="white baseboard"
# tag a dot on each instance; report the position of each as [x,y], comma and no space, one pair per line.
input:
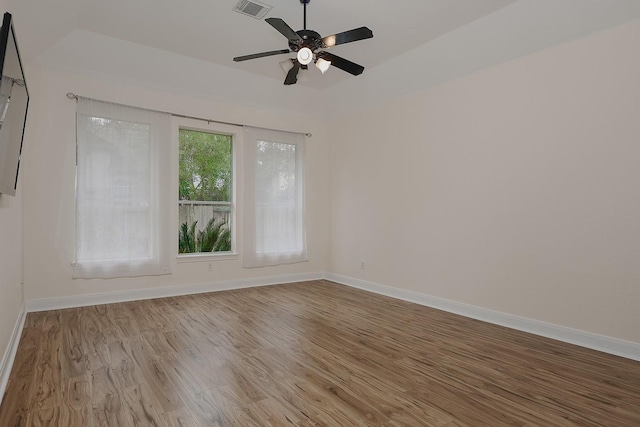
[618,347]
[628,349]
[10,352]
[57,303]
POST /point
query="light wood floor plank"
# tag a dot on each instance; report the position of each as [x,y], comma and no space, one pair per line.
[16,408]
[106,401]
[155,373]
[27,357]
[140,409]
[76,408]
[179,418]
[304,354]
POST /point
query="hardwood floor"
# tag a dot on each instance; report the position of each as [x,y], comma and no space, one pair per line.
[304,354]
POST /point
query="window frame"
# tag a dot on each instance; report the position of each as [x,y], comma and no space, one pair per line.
[235,133]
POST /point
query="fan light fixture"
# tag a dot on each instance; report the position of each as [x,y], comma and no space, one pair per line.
[305,56]
[286,65]
[323,65]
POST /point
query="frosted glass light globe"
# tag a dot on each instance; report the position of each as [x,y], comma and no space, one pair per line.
[305,56]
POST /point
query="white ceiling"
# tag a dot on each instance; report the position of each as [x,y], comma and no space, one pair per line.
[188,46]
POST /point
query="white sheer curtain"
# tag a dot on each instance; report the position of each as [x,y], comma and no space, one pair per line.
[274,229]
[122,191]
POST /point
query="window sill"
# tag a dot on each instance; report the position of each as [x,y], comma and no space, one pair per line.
[207,257]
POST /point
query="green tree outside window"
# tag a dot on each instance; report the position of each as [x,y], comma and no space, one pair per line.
[204,192]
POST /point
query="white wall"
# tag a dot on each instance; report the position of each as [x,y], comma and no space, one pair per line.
[11,298]
[50,174]
[514,189]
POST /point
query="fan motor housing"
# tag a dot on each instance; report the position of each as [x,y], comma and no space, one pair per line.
[310,39]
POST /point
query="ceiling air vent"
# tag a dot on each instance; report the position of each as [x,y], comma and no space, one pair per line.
[252,8]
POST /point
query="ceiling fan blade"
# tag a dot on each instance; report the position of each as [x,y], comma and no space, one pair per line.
[261,55]
[347,37]
[343,64]
[292,75]
[284,29]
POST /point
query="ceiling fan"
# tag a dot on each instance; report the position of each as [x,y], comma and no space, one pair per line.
[308,45]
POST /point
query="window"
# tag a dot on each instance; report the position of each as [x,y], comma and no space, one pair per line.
[122,206]
[205,192]
[274,227]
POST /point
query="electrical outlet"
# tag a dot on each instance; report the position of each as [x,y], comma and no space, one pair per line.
[210,267]
[362,265]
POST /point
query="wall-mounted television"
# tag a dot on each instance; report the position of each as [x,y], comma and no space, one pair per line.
[14,101]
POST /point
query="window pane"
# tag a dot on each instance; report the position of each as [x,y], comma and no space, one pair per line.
[114,183]
[274,229]
[122,203]
[205,185]
[276,197]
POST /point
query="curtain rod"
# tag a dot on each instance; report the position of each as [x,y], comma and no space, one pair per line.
[71,95]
